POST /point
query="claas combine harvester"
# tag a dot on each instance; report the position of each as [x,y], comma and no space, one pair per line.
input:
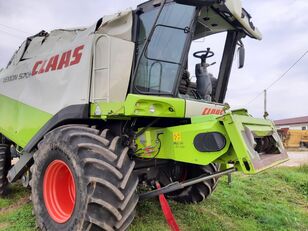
[294,139]
[97,116]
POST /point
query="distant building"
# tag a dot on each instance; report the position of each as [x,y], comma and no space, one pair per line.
[299,123]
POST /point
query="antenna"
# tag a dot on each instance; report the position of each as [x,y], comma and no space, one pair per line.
[265,105]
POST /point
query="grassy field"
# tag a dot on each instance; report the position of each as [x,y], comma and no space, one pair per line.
[273,200]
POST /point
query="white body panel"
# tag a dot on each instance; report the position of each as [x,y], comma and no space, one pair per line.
[195,108]
[55,71]
[53,90]
[112,68]
[235,8]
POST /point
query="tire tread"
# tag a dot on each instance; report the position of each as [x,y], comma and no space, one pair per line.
[108,172]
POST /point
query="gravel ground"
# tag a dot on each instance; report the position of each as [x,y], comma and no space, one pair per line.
[296,159]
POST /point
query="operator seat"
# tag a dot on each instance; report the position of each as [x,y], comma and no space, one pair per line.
[187,87]
[185,81]
[190,88]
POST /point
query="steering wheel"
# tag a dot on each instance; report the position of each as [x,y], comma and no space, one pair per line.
[203,55]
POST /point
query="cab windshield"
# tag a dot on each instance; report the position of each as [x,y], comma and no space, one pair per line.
[188,52]
[163,56]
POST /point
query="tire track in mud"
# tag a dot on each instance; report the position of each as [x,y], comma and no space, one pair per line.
[17,205]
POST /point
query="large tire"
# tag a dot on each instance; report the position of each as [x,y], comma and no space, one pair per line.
[5,159]
[97,190]
[198,192]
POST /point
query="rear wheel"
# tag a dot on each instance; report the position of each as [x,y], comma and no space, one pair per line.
[195,193]
[5,160]
[83,180]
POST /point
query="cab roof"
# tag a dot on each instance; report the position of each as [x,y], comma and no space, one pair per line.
[231,11]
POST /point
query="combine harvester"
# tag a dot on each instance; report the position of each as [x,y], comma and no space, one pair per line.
[294,139]
[98,116]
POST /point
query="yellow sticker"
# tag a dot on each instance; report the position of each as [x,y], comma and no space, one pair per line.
[177,136]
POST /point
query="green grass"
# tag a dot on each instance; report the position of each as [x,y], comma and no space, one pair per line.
[273,200]
[16,210]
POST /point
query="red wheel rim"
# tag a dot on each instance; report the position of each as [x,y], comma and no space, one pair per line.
[59,191]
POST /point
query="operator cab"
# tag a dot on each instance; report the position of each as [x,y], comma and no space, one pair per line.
[201,86]
[165,51]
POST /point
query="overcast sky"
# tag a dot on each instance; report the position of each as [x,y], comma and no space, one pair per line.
[283,23]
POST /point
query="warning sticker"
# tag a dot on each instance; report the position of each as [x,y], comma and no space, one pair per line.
[177,136]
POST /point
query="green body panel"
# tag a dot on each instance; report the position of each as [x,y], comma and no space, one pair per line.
[177,143]
[140,105]
[105,110]
[240,128]
[20,122]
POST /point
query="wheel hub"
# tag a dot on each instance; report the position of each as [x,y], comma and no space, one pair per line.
[59,191]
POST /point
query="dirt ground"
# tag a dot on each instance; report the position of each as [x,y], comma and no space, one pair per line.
[296,159]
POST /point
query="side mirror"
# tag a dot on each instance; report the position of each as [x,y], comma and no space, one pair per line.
[199,2]
[241,55]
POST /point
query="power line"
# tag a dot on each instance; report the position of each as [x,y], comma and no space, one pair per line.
[285,73]
[281,77]
[257,96]
[14,35]
[12,28]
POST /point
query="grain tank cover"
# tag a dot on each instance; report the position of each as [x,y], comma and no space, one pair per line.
[118,25]
[56,67]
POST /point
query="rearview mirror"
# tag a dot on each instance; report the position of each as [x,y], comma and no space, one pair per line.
[241,55]
[199,2]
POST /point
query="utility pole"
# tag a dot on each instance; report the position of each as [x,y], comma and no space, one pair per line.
[265,105]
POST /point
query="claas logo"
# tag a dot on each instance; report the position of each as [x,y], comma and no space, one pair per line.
[59,61]
[212,111]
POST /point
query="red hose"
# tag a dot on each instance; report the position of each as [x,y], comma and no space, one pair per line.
[167,211]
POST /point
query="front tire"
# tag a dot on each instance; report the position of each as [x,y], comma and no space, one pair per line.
[5,159]
[83,180]
[195,193]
